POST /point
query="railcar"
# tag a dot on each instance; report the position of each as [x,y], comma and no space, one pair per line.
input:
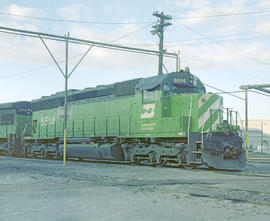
[162,120]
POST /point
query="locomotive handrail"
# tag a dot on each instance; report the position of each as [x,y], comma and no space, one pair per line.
[190,111]
[58,131]
[202,132]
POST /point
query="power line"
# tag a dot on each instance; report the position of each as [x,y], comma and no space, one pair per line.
[28,71]
[60,61]
[199,43]
[229,93]
[226,35]
[72,21]
[226,38]
[224,15]
[78,55]
[220,41]
[121,23]
[230,49]
[221,67]
[130,33]
[232,70]
[223,36]
[257,92]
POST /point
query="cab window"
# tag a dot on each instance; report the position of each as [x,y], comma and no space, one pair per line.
[34,126]
[7,119]
[149,96]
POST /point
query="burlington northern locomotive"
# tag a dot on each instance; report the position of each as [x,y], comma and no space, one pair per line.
[162,120]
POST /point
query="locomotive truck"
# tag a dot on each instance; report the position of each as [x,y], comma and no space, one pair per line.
[161,120]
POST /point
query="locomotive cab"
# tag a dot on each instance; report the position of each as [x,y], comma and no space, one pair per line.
[176,105]
[181,82]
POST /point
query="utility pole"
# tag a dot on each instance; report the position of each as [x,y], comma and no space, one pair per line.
[245,88]
[246,121]
[65,104]
[178,61]
[261,137]
[158,29]
[66,75]
[259,87]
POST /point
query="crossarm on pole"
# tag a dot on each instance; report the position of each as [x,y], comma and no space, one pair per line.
[81,59]
[52,56]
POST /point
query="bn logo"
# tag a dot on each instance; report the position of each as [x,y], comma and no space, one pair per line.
[148,111]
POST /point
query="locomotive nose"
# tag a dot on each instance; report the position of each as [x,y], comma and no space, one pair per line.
[223,151]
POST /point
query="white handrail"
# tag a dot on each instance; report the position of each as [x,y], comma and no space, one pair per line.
[190,111]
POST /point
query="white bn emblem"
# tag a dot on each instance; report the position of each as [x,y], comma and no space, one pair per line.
[148,111]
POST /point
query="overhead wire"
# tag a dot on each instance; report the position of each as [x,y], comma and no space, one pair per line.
[234,50]
[29,71]
[148,24]
[221,67]
[168,45]
[119,23]
[46,66]
[228,48]
[229,93]
[71,20]
[130,33]
[215,42]
[25,72]
[224,15]
[222,36]
[60,61]
[257,92]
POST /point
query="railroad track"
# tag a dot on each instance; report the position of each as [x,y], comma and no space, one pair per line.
[259,158]
[192,188]
[225,171]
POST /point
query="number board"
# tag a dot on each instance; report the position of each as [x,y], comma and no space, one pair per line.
[179,80]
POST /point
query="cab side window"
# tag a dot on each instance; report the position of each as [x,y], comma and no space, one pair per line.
[166,90]
[34,126]
[149,96]
[7,119]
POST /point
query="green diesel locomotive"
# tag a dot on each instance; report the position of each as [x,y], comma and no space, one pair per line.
[162,120]
[15,123]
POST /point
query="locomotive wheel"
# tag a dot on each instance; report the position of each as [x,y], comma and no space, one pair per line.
[133,160]
[152,158]
[29,153]
[43,154]
[163,163]
[58,155]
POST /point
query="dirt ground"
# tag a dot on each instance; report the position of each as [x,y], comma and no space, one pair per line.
[45,190]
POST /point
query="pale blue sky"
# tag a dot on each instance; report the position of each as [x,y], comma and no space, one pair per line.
[224,52]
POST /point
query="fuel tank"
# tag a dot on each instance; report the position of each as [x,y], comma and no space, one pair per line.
[93,151]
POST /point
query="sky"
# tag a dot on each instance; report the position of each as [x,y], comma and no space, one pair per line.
[223,51]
